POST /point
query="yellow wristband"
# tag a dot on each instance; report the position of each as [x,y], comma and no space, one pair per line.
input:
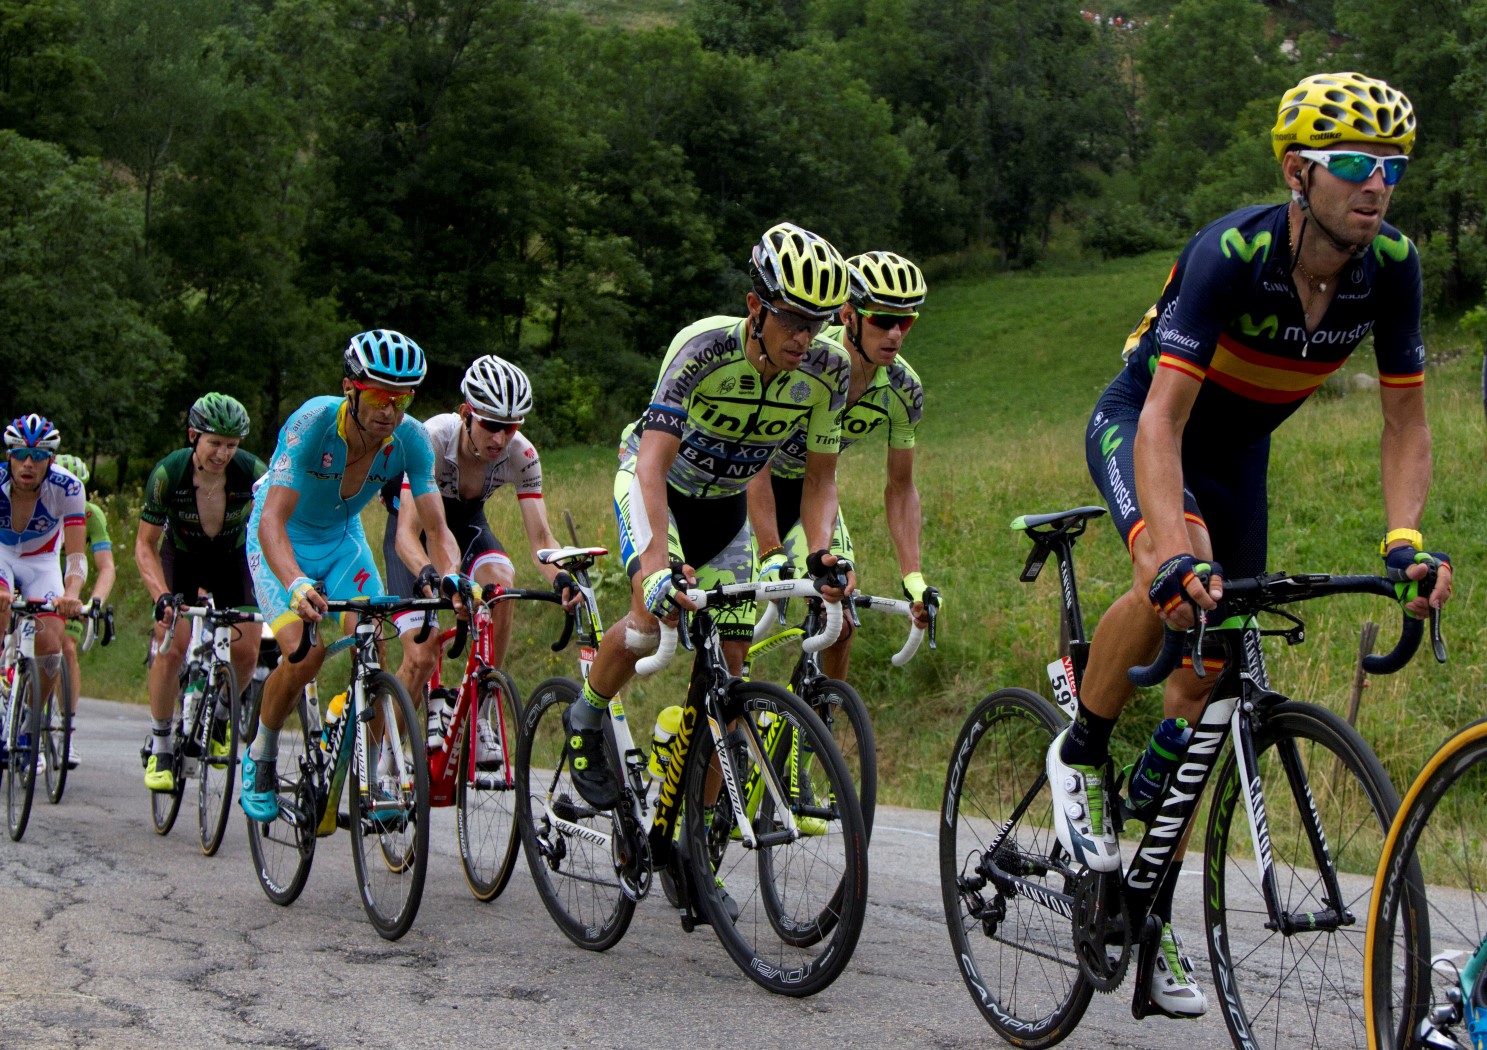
[1415,539]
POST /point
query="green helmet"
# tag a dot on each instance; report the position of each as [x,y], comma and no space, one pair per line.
[74,466]
[216,413]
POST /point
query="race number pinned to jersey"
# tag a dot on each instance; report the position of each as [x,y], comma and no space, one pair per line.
[1061,677]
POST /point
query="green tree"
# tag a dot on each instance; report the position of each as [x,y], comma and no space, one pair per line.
[88,358]
[44,77]
[1201,69]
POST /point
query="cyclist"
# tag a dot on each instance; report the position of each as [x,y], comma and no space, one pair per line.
[40,504]
[102,548]
[1262,305]
[886,291]
[333,455]
[730,391]
[478,448]
[197,500]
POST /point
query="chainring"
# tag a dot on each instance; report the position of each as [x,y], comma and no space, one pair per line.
[1100,924]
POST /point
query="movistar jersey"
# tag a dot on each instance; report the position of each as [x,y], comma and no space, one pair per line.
[894,398]
[728,420]
[1230,318]
[310,458]
[170,497]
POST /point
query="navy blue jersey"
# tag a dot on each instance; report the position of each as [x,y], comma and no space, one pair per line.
[1230,318]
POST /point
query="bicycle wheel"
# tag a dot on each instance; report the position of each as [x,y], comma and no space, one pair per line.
[1430,898]
[20,732]
[1305,987]
[217,772]
[999,862]
[56,732]
[800,904]
[566,842]
[485,807]
[284,848]
[845,716]
[390,808]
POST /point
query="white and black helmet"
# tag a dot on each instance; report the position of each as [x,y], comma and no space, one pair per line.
[497,389]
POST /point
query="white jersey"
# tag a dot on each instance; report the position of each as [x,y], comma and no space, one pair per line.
[60,504]
[520,467]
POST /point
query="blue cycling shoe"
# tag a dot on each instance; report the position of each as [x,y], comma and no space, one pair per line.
[259,797]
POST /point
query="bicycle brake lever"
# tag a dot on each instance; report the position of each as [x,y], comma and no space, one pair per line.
[1437,642]
[934,623]
[1198,629]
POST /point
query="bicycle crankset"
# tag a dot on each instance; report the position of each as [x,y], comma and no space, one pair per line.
[1102,931]
[632,853]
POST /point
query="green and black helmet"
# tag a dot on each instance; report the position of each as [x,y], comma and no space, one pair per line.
[216,413]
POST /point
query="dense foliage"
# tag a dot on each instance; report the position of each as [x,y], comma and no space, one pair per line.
[216,194]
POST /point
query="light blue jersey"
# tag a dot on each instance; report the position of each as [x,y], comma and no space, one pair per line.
[325,530]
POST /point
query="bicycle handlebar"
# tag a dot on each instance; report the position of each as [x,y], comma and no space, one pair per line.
[893,606]
[1244,598]
[736,593]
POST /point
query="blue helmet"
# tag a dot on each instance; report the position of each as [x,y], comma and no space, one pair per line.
[33,431]
[385,356]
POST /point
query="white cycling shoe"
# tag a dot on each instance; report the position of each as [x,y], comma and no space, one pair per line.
[1174,989]
[1083,816]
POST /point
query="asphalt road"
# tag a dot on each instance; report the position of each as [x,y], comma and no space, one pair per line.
[112,936]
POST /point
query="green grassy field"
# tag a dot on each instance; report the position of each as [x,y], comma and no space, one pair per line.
[1012,365]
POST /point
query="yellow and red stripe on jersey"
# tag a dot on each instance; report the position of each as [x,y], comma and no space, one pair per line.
[1140,527]
[1178,364]
[1265,377]
[1413,379]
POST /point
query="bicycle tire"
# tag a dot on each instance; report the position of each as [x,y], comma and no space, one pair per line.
[788,884]
[575,876]
[166,805]
[20,785]
[485,804]
[216,775]
[1428,891]
[390,814]
[844,713]
[247,710]
[56,733]
[1015,954]
[1305,989]
[283,850]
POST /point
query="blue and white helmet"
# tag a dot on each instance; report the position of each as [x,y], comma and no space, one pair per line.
[33,431]
[385,356]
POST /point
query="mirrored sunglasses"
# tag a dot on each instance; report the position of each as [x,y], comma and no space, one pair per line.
[378,397]
[1352,166]
[496,426]
[35,454]
[889,321]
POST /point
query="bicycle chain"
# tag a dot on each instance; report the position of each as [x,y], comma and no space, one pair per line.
[1097,928]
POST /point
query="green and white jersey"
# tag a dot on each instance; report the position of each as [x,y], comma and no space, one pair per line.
[895,399]
[729,421]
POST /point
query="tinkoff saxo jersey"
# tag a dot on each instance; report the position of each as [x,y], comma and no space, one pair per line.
[894,399]
[729,420]
[1230,318]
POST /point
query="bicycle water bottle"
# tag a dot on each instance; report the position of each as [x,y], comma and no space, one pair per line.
[667,724]
[329,733]
[194,686]
[1146,781]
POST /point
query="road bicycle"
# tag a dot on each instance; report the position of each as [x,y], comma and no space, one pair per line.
[483,715]
[36,736]
[1035,935]
[205,730]
[387,807]
[1425,982]
[836,703]
[783,883]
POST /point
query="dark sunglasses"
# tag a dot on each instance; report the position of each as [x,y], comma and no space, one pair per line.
[793,322]
[889,321]
[496,426]
[35,454]
[1358,167]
